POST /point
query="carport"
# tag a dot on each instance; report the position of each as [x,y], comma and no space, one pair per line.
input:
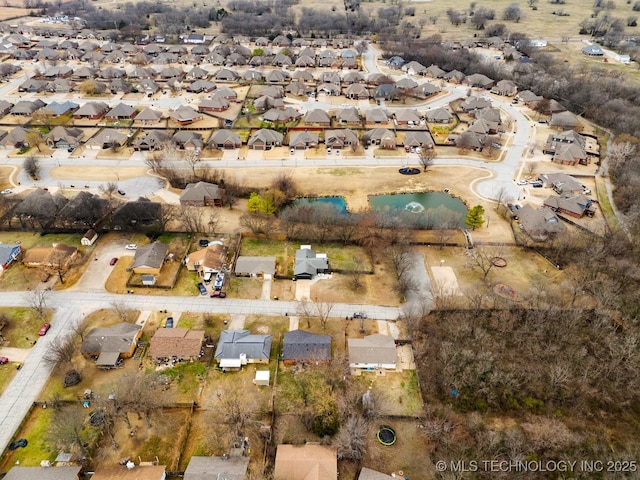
[108,360]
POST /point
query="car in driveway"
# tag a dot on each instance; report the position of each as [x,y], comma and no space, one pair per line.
[44,329]
[202,288]
[218,294]
[131,246]
[203,242]
[4,360]
[6,191]
[113,261]
[169,323]
[18,444]
[522,182]
[121,192]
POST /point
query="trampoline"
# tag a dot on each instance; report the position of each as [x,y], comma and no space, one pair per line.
[386,435]
[409,171]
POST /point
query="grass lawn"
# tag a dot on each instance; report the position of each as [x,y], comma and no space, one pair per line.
[22,326]
[275,326]
[7,372]
[35,431]
[239,287]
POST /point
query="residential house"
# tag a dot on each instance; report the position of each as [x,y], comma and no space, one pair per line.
[9,252]
[434,71]
[528,98]
[89,238]
[109,344]
[265,139]
[298,88]
[479,80]
[121,112]
[148,86]
[194,38]
[561,183]
[16,138]
[540,224]
[211,259]
[179,344]
[373,352]
[216,468]
[185,115]
[471,140]
[395,62]
[328,89]
[26,107]
[593,50]
[368,474]
[406,84]
[567,148]
[426,90]
[474,103]
[414,68]
[340,138]
[123,472]
[250,266]
[454,76]
[188,140]
[318,117]
[214,104]
[564,120]
[58,255]
[386,91]
[197,73]
[264,103]
[348,116]
[439,115]
[575,206]
[91,111]
[201,86]
[281,115]
[303,140]
[202,194]
[300,346]
[382,137]
[376,116]
[64,137]
[149,259]
[306,462]
[239,347]
[309,264]
[43,473]
[225,139]
[505,87]
[148,116]
[33,85]
[407,116]
[153,140]
[107,138]
[226,93]
[58,109]
[419,138]
[356,91]
[226,75]
[5,107]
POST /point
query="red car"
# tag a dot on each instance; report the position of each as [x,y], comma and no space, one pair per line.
[113,261]
[3,360]
[45,328]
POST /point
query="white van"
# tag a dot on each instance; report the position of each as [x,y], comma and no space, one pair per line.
[207,277]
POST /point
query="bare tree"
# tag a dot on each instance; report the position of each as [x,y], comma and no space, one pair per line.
[60,351]
[37,300]
[31,166]
[258,223]
[355,273]
[121,310]
[485,258]
[426,157]
[351,439]
[109,189]
[191,158]
[315,308]
[69,431]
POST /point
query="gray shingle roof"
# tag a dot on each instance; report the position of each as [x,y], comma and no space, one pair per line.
[300,345]
[234,343]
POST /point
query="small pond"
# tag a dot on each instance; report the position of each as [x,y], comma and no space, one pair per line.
[337,202]
[434,204]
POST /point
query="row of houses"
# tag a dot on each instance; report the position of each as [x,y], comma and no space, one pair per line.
[292,462]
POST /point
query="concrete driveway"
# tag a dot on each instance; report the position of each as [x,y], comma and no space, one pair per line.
[15,354]
[98,271]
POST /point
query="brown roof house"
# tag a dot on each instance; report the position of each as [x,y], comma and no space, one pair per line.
[202,194]
[91,111]
[373,352]
[177,343]
[110,344]
[225,139]
[185,115]
[57,255]
[303,140]
[211,259]
[89,238]
[217,468]
[150,258]
[540,224]
[573,205]
[382,137]
[306,462]
[128,472]
[121,112]
[340,138]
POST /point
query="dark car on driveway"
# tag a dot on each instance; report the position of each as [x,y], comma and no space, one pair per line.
[218,294]
[113,261]
[169,323]
[202,288]
[18,444]
[3,360]
[203,242]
